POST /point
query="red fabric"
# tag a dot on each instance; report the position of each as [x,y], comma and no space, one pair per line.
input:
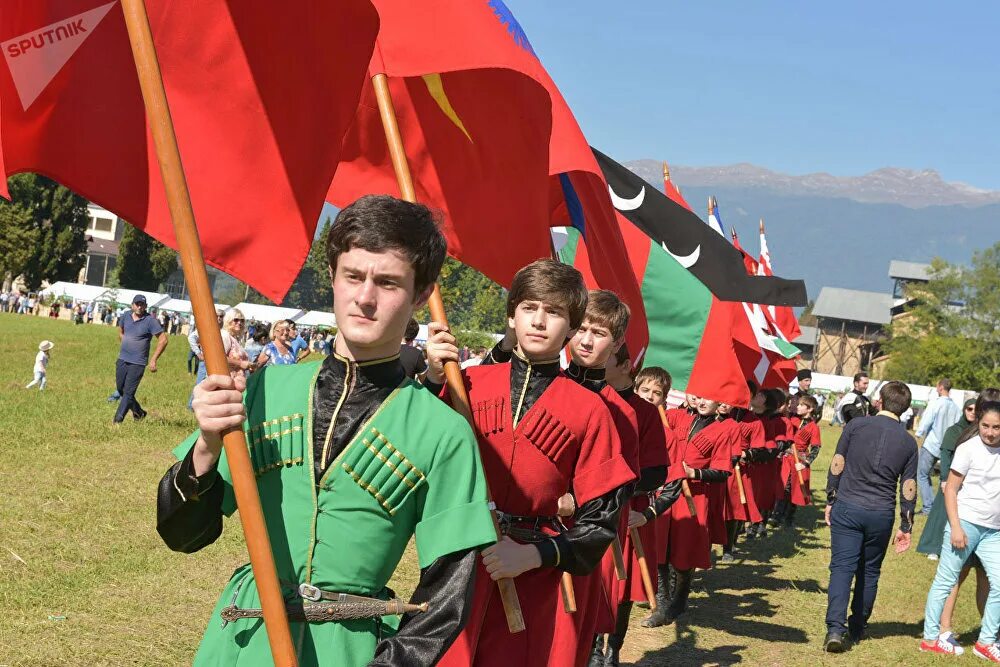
[689,542]
[783,316]
[806,436]
[749,262]
[256,166]
[752,436]
[566,440]
[673,193]
[662,523]
[719,372]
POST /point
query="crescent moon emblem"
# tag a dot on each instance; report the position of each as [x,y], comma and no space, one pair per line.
[687,261]
[627,204]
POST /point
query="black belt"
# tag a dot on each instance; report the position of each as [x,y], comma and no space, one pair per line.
[528,528]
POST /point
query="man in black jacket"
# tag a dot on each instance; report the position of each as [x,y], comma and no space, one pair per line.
[874,456]
[855,403]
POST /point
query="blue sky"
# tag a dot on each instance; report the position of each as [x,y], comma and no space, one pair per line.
[798,87]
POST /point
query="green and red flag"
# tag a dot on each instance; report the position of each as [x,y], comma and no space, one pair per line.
[238,77]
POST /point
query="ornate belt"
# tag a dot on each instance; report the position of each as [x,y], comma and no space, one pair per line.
[528,528]
[333,607]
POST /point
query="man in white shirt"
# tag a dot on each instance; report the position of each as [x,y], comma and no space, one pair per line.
[937,418]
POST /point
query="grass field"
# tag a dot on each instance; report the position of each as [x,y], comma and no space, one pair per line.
[85,580]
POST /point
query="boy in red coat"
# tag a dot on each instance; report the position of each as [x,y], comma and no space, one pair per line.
[707,448]
[541,435]
[797,461]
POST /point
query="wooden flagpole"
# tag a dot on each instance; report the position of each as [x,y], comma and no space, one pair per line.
[179,202]
[640,554]
[453,374]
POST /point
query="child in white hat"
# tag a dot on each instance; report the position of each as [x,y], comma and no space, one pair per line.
[41,363]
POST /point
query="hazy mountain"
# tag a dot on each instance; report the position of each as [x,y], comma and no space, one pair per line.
[842,232]
[889,185]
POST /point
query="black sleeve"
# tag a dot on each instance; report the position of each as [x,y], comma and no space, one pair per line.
[433,387]
[189,508]
[711,475]
[837,465]
[650,479]
[446,585]
[813,453]
[666,496]
[758,454]
[497,355]
[580,549]
[908,487]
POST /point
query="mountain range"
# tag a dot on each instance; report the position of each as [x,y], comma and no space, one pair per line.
[841,231]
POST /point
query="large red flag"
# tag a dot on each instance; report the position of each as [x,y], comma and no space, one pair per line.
[783,316]
[475,118]
[260,99]
[491,141]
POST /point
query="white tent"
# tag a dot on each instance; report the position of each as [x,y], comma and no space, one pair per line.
[125,296]
[262,313]
[183,306]
[76,291]
[317,318]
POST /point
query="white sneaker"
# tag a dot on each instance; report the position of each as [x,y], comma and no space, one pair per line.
[953,640]
[932,556]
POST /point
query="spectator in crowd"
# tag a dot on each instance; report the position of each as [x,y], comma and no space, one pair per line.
[136,331]
[279,350]
[298,344]
[255,344]
[4,300]
[937,418]
[932,538]
[478,354]
[233,325]
[194,344]
[855,403]
[411,356]
[874,456]
[972,500]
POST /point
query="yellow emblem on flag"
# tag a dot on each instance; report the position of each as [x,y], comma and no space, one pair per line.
[436,88]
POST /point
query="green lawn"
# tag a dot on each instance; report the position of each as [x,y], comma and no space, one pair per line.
[85,580]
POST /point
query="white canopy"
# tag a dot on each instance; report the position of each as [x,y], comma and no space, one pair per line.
[74,291]
[317,318]
[125,296]
[262,313]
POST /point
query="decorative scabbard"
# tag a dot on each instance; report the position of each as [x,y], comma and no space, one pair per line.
[619,558]
[332,611]
[739,484]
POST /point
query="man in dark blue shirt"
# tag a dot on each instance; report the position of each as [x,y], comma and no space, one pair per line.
[875,455]
[136,330]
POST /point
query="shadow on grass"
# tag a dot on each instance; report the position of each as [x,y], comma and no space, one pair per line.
[879,630]
[685,651]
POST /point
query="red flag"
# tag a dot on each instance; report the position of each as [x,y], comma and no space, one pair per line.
[671,190]
[260,99]
[749,262]
[475,116]
[783,316]
[491,142]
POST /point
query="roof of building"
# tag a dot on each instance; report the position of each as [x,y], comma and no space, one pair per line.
[853,305]
[807,338]
[901,270]
[99,246]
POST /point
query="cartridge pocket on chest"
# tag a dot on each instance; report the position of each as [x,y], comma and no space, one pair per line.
[548,434]
[488,416]
[383,471]
[277,443]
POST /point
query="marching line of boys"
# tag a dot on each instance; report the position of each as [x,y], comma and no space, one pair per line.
[353,459]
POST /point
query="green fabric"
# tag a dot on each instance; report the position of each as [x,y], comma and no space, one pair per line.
[412,468]
[949,443]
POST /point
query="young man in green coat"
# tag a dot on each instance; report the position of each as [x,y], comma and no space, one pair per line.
[352,458]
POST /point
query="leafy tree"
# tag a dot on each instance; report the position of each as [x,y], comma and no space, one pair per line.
[18,239]
[952,326]
[52,221]
[311,289]
[143,262]
[473,301]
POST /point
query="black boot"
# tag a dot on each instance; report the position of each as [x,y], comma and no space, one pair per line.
[790,516]
[678,601]
[597,655]
[732,532]
[617,639]
[778,513]
[663,594]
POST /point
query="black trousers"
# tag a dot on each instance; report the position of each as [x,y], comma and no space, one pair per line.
[859,538]
[127,378]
